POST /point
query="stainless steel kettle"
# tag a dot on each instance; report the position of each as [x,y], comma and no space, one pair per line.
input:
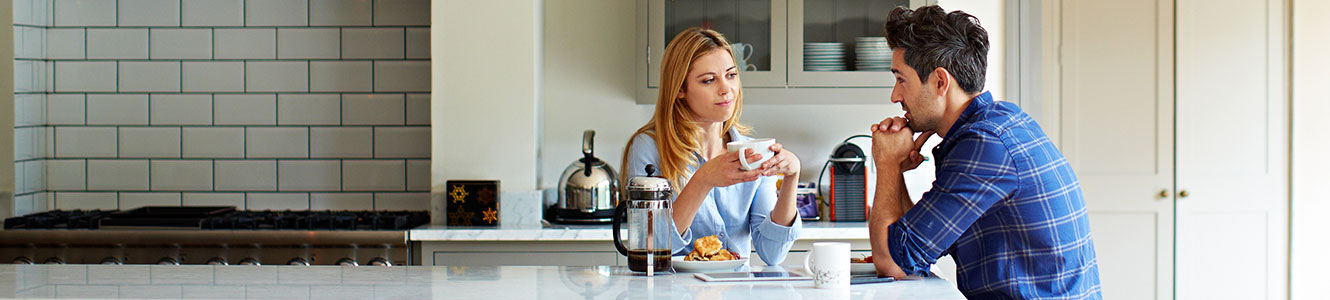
[588,189]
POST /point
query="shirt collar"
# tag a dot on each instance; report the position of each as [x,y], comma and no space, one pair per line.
[979,102]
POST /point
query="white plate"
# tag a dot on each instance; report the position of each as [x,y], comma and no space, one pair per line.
[862,269]
[682,265]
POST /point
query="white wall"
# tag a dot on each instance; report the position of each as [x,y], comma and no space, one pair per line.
[1311,142]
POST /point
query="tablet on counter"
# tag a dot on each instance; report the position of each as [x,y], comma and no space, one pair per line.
[751,276]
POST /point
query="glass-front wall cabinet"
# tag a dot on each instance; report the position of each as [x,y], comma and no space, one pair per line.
[782,45]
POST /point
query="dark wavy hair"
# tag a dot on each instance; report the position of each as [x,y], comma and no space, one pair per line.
[932,37]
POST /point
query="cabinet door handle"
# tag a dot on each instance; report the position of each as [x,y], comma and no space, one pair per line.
[1183,194]
[1163,193]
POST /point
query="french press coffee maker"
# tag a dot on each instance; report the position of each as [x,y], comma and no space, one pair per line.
[649,220]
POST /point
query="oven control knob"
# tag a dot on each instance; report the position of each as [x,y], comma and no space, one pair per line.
[298,262]
[112,261]
[379,261]
[54,261]
[217,261]
[249,261]
[347,261]
[23,260]
[168,261]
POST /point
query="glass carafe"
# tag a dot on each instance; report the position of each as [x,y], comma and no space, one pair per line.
[647,211]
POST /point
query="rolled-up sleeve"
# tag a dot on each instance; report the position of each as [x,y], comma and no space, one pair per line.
[976,174]
[772,241]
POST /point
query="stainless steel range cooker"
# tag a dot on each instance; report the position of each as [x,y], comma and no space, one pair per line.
[212,235]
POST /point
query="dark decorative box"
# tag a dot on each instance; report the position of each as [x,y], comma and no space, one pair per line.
[472,202]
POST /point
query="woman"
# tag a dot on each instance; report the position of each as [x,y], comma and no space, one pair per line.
[697,112]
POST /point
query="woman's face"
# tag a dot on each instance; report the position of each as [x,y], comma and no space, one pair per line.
[712,86]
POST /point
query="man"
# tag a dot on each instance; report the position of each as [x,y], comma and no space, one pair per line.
[1006,205]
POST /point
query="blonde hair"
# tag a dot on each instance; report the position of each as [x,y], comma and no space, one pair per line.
[673,125]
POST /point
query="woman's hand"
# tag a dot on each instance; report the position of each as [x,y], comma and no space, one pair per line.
[726,170]
[783,162]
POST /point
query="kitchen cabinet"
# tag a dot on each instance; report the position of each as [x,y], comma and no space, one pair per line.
[1176,123]
[844,69]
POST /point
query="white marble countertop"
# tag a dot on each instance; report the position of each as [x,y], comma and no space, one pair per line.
[416,282]
[538,232]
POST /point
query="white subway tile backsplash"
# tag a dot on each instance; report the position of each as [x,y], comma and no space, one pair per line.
[213,76]
[404,142]
[80,200]
[373,175]
[67,174]
[247,43]
[276,142]
[65,43]
[318,43]
[119,43]
[181,175]
[29,42]
[149,12]
[83,76]
[339,142]
[246,175]
[309,175]
[186,43]
[212,12]
[401,201]
[29,109]
[340,13]
[341,201]
[277,76]
[373,43]
[149,76]
[121,174]
[64,109]
[245,109]
[276,12]
[401,12]
[213,199]
[213,142]
[149,142]
[28,76]
[85,12]
[180,109]
[135,200]
[309,109]
[25,143]
[418,175]
[34,176]
[417,43]
[417,109]
[373,109]
[117,109]
[404,76]
[345,76]
[85,141]
[276,201]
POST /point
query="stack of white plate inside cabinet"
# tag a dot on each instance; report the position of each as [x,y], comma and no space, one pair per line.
[872,54]
[824,57]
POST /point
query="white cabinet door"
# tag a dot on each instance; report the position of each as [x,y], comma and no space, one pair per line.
[1232,150]
[1116,130]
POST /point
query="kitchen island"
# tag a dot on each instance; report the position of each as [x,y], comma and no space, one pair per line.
[541,244]
[419,282]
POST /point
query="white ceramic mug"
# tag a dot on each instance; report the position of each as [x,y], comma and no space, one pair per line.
[743,52]
[759,146]
[829,264]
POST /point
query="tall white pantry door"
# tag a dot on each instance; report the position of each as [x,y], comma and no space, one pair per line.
[1232,149]
[1116,129]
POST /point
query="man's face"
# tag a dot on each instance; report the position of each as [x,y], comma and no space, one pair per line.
[712,86]
[918,98]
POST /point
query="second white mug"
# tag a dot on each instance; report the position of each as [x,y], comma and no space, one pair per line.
[829,264]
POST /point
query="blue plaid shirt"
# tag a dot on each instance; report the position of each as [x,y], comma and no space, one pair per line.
[1008,209]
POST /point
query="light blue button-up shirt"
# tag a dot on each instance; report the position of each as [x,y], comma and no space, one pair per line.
[738,214]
